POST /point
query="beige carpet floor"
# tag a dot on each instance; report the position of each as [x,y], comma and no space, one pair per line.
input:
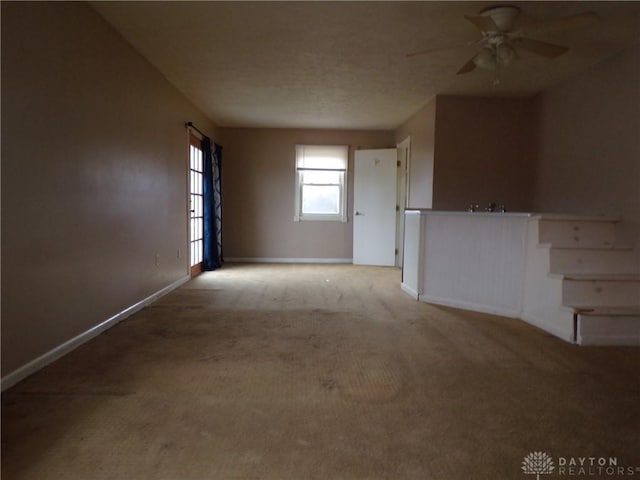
[298,372]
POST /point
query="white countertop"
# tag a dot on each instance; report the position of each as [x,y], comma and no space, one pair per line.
[427,211]
[545,216]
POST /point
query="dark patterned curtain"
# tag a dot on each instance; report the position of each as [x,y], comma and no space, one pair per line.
[212,254]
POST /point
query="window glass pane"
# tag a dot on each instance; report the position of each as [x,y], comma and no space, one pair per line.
[316,177]
[321,199]
[198,251]
[199,183]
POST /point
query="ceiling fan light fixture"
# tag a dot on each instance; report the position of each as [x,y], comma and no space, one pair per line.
[505,54]
[490,58]
[486,59]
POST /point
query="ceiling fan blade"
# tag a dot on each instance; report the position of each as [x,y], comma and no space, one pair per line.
[433,50]
[467,67]
[484,23]
[581,20]
[448,47]
[545,49]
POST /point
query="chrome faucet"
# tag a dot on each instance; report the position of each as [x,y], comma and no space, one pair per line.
[473,208]
[491,207]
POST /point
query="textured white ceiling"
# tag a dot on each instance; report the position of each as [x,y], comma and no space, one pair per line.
[343,64]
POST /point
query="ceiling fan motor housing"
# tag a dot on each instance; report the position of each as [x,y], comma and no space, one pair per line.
[504,16]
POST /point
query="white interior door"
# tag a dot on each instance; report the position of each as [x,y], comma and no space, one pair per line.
[374,203]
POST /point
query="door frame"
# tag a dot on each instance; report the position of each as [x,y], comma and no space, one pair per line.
[402,193]
[193,138]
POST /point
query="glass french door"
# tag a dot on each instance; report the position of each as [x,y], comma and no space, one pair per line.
[196,231]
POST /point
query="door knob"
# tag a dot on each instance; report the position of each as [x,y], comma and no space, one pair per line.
[359,213]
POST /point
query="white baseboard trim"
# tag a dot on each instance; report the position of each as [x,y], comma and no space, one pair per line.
[476,307]
[42,361]
[407,289]
[565,334]
[286,260]
[561,333]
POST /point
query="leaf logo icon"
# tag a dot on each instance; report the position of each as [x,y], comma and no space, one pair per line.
[537,463]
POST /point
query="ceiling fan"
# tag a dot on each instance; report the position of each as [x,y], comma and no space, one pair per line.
[501,41]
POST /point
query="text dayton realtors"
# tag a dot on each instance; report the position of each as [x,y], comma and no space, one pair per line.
[593,466]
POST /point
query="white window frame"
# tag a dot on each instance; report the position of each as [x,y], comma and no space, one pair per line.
[341,216]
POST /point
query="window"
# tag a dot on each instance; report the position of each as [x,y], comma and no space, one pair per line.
[321,187]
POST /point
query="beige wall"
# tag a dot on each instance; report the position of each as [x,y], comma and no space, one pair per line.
[420,128]
[589,143]
[93,176]
[484,152]
[258,194]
